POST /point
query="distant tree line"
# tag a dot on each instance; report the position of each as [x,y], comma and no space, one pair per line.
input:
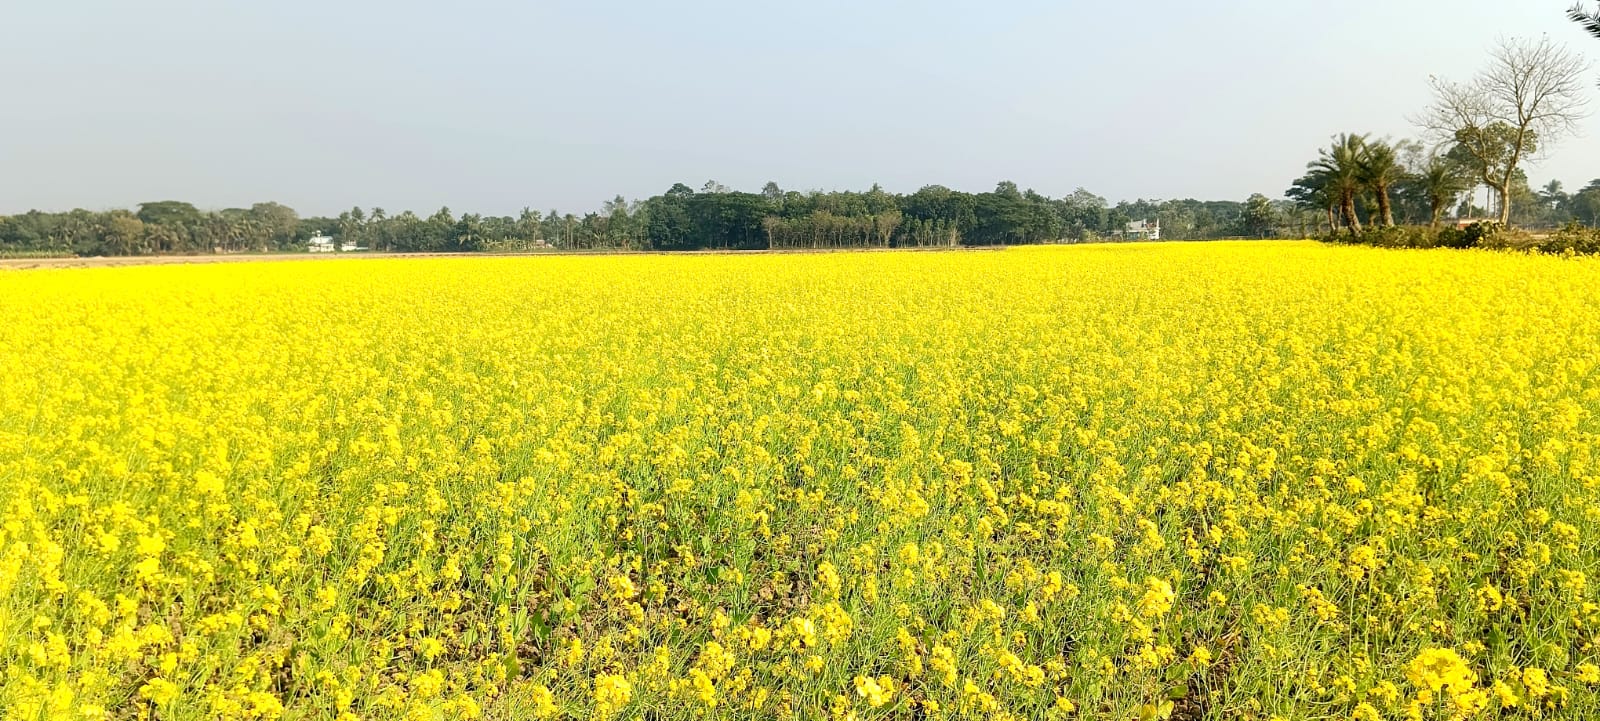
[713,217]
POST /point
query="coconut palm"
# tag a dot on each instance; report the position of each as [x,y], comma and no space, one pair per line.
[1340,169]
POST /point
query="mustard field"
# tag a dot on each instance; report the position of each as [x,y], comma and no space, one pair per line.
[1188,481]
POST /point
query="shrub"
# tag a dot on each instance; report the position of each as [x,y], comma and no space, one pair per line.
[1481,234]
[1390,237]
[1454,237]
[1399,236]
[1573,239]
[1496,236]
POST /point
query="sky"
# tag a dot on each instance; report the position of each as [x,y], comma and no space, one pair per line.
[494,106]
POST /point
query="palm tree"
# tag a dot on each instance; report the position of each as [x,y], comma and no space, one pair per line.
[1589,21]
[1311,193]
[1340,169]
[1380,170]
[1440,180]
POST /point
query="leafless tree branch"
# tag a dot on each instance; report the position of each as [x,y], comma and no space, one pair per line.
[1531,95]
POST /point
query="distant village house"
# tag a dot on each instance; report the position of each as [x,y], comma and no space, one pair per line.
[320,243]
[1143,230]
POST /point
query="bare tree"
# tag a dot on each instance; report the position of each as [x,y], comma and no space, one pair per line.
[1531,93]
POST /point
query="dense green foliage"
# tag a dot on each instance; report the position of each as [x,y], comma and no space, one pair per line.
[1359,181]
[679,219]
[1358,184]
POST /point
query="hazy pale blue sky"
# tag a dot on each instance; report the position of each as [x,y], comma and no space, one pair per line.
[492,106]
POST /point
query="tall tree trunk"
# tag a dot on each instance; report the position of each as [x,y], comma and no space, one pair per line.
[1351,220]
[1385,210]
[1503,190]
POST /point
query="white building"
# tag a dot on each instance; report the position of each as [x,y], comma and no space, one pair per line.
[1143,230]
[320,243]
